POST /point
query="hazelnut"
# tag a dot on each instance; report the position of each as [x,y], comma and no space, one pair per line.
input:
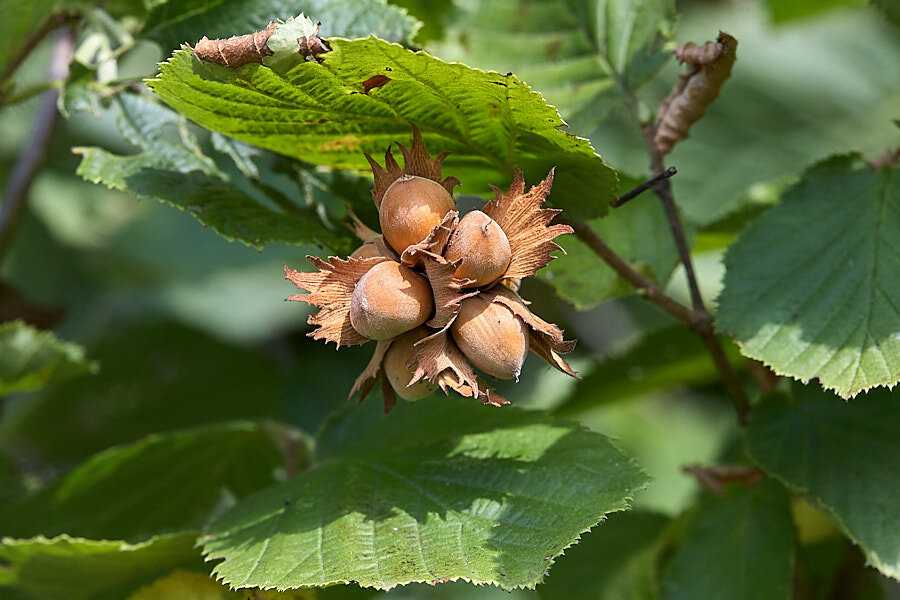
[410,209]
[390,299]
[482,246]
[396,367]
[491,337]
[367,250]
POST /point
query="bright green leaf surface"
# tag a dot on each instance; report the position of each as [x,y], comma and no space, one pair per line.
[66,568]
[638,231]
[812,287]
[615,562]
[439,489]
[490,123]
[844,456]
[173,378]
[173,169]
[736,547]
[666,359]
[177,22]
[31,359]
[782,11]
[197,468]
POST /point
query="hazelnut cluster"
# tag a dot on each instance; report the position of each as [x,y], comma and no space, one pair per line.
[438,292]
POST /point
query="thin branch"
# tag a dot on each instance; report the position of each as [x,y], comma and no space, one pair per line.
[640,189]
[31,159]
[642,284]
[715,478]
[53,21]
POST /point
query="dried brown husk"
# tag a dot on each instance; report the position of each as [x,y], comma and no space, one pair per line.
[710,67]
[366,380]
[330,289]
[416,161]
[526,225]
[438,360]
[447,289]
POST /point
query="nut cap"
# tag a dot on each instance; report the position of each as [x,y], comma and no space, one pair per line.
[389,300]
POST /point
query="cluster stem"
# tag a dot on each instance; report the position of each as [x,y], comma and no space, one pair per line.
[696,317]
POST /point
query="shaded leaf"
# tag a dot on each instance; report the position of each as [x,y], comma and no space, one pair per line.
[31,359]
[842,455]
[490,123]
[175,22]
[199,469]
[199,586]
[235,207]
[438,490]
[736,546]
[67,568]
[784,11]
[615,562]
[173,379]
[811,287]
[663,360]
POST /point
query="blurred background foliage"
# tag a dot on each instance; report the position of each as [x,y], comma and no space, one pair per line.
[189,328]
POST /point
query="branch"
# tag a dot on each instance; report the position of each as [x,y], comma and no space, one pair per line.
[642,284]
[53,21]
[31,159]
[715,478]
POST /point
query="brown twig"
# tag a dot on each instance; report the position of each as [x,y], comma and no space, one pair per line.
[640,189]
[53,21]
[31,159]
[715,478]
[642,284]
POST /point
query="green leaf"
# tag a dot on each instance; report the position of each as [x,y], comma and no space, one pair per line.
[19,20]
[433,14]
[615,562]
[783,11]
[67,568]
[890,8]
[638,231]
[235,207]
[31,359]
[631,36]
[581,52]
[663,360]
[490,123]
[199,468]
[811,287]
[739,546]
[844,456]
[175,22]
[436,490]
[198,586]
[174,378]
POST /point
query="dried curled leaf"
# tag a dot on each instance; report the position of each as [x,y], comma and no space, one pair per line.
[416,161]
[238,50]
[526,224]
[366,380]
[545,339]
[438,360]
[296,36]
[330,289]
[710,67]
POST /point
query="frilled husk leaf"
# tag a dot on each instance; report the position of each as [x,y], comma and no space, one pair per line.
[438,360]
[545,339]
[526,225]
[446,288]
[330,289]
[416,161]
